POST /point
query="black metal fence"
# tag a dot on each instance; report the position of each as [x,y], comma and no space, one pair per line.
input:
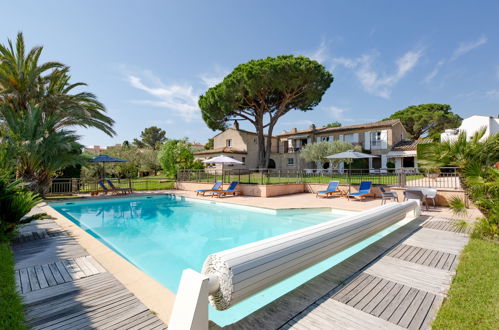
[68,186]
[445,178]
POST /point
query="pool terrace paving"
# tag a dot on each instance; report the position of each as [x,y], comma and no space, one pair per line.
[398,282]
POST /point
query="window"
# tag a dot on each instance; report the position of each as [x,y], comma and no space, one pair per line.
[349,138]
[324,138]
[254,140]
[375,139]
[244,160]
[291,161]
[228,143]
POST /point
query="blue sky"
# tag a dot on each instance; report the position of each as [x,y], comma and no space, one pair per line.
[148,61]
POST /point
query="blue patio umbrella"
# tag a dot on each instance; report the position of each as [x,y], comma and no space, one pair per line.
[106,159]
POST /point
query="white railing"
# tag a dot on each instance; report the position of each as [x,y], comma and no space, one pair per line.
[233,275]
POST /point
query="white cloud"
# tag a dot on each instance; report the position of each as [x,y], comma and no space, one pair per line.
[465,47]
[434,72]
[320,54]
[375,83]
[179,99]
[211,79]
[336,112]
[492,93]
[297,123]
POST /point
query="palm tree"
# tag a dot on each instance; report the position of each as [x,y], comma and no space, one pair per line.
[39,146]
[475,158]
[25,82]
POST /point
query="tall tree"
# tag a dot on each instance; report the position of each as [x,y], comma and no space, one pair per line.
[210,144]
[175,155]
[333,124]
[427,119]
[262,91]
[151,137]
[39,148]
[26,82]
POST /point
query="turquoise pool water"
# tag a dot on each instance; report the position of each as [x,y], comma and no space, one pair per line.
[163,235]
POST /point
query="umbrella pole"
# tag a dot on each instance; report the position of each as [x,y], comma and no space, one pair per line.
[349,180]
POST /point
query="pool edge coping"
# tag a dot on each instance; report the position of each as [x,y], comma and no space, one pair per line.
[150,292]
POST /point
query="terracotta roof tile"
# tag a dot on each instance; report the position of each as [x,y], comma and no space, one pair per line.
[383,123]
[224,150]
[405,145]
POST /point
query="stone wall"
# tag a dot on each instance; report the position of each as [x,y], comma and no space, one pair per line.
[258,190]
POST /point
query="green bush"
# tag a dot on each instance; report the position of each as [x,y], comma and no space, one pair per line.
[15,203]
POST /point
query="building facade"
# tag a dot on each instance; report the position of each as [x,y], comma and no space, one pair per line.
[238,144]
[385,139]
[377,138]
[470,126]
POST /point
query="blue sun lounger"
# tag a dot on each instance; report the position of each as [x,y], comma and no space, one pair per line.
[231,190]
[364,190]
[119,190]
[106,190]
[332,189]
[215,187]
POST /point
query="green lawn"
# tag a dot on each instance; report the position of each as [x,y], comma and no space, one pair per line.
[256,178]
[473,301]
[11,309]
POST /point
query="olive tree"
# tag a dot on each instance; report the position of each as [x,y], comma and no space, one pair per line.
[262,91]
[317,152]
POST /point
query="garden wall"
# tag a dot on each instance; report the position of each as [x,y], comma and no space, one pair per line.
[259,190]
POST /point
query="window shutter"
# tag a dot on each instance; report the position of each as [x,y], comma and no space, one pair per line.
[318,139]
[383,161]
[355,137]
[341,137]
[367,140]
[384,139]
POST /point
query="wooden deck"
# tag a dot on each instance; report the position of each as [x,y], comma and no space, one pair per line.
[401,290]
[398,282]
[63,287]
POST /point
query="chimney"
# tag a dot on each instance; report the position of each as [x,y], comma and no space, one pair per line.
[235,125]
[294,130]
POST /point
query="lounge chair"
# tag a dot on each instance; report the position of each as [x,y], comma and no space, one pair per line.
[364,191]
[230,191]
[332,189]
[215,187]
[417,195]
[119,190]
[105,189]
[388,195]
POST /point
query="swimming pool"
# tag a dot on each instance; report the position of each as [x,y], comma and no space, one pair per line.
[162,235]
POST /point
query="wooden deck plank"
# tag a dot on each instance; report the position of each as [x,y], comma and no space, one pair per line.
[49,277]
[361,294]
[417,276]
[412,308]
[24,277]
[390,296]
[42,280]
[56,273]
[375,296]
[439,240]
[33,279]
[394,304]
[17,277]
[347,317]
[351,289]
[63,271]
[422,311]
[402,307]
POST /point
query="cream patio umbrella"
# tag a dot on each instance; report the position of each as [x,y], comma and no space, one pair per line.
[350,155]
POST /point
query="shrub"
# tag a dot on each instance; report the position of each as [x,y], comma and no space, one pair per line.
[15,203]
